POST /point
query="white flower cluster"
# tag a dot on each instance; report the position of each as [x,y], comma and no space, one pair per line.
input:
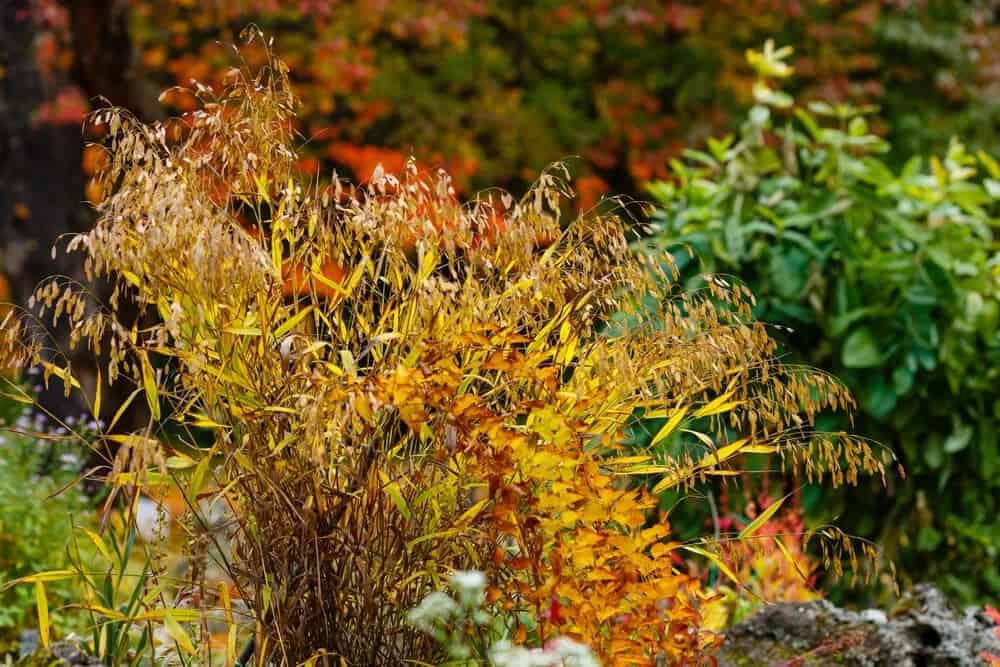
[560,652]
[434,609]
[440,611]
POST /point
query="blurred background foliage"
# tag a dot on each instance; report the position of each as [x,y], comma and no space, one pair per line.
[495,91]
[35,520]
[883,265]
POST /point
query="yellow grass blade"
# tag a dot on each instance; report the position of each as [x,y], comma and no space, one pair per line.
[718,563]
[717,405]
[178,634]
[290,323]
[727,452]
[121,410]
[50,575]
[99,543]
[629,460]
[788,557]
[177,615]
[97,395]
[62,374]
[43,613]
[470,514]
[670,426]
[149,384]
[670,481]
[27,400]
[762,518]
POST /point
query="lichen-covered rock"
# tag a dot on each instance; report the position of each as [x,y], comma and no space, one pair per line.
[921,631]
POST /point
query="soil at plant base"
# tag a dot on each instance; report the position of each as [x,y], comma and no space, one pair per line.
[922,630]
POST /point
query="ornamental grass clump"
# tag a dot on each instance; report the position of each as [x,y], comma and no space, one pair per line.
[385,385]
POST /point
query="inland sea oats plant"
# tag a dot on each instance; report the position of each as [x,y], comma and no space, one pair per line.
[385,385]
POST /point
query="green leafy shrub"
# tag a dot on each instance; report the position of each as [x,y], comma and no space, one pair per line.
[888,279]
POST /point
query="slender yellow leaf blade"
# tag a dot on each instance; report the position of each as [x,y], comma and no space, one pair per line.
[108,614]
[97,395]
[670,426]
[161,614]
[762,518]
[276,252]
[26,400]
[649,469]
[62,374]
[201,421]
[629,460]
[431,536]
[133,440]
[667,482]
[331,284]
[43,613]
[149,384]
[727,452]
[392,488]
[280,409]
[715,559]
[791,561]
[122,408]
[99,543]
[565,330]
[717,405]
[991,165]
[231,646]
[760,449]
[199,476]
[290,323]
[180,462]
[132,278]
[355,278]
[49,575]
[227,604]
[470,514]
[178,634]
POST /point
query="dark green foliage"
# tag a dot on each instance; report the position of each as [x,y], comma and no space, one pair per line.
[888,278]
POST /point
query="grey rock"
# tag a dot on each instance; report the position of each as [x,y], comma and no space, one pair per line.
[61,654]
[921,631]
[876,616]
[72,655]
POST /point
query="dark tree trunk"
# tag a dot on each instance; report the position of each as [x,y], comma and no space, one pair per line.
[107,64]
[41,182]
[41,186]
